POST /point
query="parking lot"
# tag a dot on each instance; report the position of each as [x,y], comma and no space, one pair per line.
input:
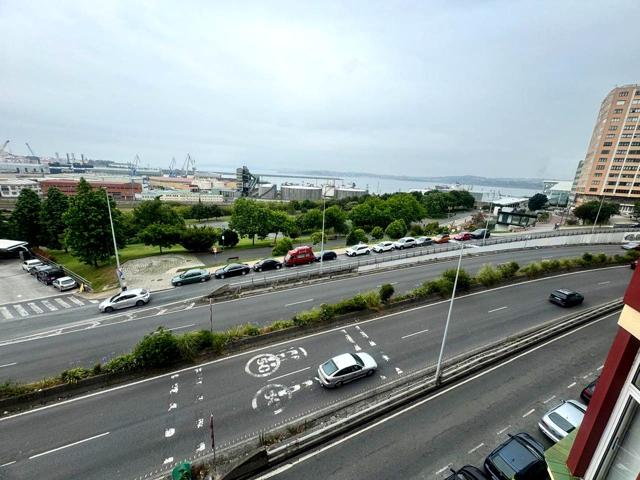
[16,285]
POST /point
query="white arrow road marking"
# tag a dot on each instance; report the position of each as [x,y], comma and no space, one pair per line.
[172,406]
[385,358]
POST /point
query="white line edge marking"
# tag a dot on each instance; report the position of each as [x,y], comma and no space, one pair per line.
[426,400]
[7,464]
[604,283]
[572,385]
[69,445]
[8,364]
[529,413]
[183,326]
[298,303]
[290,373]
[475,448]
[497,309]
[549,399]
[416,333]
[443,468]
[500,432]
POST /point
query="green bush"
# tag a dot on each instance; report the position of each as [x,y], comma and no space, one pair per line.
[632,255]
[371,300]
[416,230]
[74,375]
[231,238]
[250,330]
[219,340]
[278,325]
[349,305]
[122,364]
[282,246]
[377,233]
[508,270]
[157,349]
[600,259]
[386,292]
[396,229]
[587,258]
[356,236]
[532,270]
[327,312]
[192,344]
[464,279]
[488,276]
[199,239]
[432,228]
[307,317]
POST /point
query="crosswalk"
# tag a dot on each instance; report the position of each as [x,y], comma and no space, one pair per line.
[36,307]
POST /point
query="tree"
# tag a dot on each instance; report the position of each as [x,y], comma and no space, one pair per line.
[229,238]
[88,232]
[199,239]
[160,235]
[336,218]
[279,221]
[316,238]
[156,211]
[53,208]
[405,206]
[396,229]
[310,220]
[436,204]
[249,218]
[538,201]
[25,218]
[356,236]
[377,233]
[588,211]
[461,199]
[5,226]
[635,213]
[282,246]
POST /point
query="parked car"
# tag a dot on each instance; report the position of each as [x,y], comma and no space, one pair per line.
[355,250]
[129,298]
[232,270]
[519,457]
[631,246]
[267,264]
[194,275]
[404,242]
[299,256]
[468,472]
[34,269]
[382,247]
[562,419]
[27,264]
[480,233]
[565,297]
[442,238]
[633,264]
[326,256]
[346,368]
[423,241]
[49,274]
[64,283]
[462,236]
[587,392]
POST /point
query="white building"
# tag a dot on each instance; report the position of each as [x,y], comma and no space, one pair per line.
[11,187]
[180,196]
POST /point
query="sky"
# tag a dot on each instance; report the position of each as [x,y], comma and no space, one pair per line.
[454,87]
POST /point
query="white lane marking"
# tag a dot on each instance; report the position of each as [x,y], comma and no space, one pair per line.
[398,371]
[167,460]
[372,343]
[35,307]
[584,377]
[298,303]
[357,347]
[549,399]
[497,309]
[604,283]
[444,468]
[290,373]
[572,385]
[61,302]
[386,358]
[183,326]
[413,406]
[529,413]
[169,432]
[600,367]
[500,432]
[21,310]
[416,333]
[475,448]
[75,300]
[190,306]
[6,313]
[7,464]
[8,364]
[49,305]
[161,311]
[172,406]
[94,301]
[69,445]
[349,339]
[200,447]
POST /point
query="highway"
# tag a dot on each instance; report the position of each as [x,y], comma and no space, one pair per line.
[137,428]
[35,347]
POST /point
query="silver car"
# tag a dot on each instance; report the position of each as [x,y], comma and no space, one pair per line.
[129,298]
[64,283]
[561,420]
[345,368]
[383,247]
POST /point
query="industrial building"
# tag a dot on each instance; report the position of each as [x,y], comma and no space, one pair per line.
[119,190]
[11,187]
[300,192]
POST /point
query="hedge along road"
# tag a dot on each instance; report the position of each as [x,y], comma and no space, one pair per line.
[150,424]
[33,352]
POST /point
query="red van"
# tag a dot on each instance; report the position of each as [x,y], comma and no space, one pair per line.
[299,256]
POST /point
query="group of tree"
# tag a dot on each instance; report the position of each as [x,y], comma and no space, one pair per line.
[588,212]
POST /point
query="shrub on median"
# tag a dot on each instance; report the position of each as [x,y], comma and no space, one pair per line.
[508,270]
[73,375]
[386,292]
[488,276]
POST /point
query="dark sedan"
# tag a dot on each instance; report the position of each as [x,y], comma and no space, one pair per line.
[565,298]
[587,392]
[194,275]
[520,457]
[480,233]
[232,270]
[326,256]
[468,472]
[267,264]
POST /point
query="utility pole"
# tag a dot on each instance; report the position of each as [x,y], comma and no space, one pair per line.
[597,216]
[119,272]
[322,238]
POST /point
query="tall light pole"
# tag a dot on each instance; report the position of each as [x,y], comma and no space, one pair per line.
[119,273]
[322,238]
[446,326]
[486,226]
[597,215]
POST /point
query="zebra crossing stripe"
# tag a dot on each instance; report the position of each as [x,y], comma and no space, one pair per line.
[62,302]
[75,300]
[49,305]
[21,310]
[6,313]
[35,307]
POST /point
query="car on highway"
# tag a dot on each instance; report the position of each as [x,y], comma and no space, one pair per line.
[346,368]
[382,247]
[633,265]
[480,233]
[587,392]
[232,270]
[423,241]
[404,242]
[562,419]
[302,255]
[49,274]
[468,472]
[128,298]
[194,275]
[565,297]
[326,256]
[631,246]
[64,283]
[267,264]
[462,236]
[442,238]
[355,250]
[519,457]
[27,264]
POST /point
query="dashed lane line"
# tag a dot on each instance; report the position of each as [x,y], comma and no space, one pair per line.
[415,333]
[572,385]
[497,309]
[529,413]
[8,364]
[7,464]
[500,432]
[69,445]
[298,303]
[446,467]
[549,399]
[475,448]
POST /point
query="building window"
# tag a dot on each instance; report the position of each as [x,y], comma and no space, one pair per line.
[611,135]
[622,191]
[613,128]
[623,144]
[609,144]
[619,110]
[592,189]
[623,94]
[635,110]
[597,174]
[605,152]
[595,182]
[632,119]
[618,159]
[634,152]
[626,135]
[620,102]
[616,167]
[621,152]
[608,190]
[602,159]
[601,167]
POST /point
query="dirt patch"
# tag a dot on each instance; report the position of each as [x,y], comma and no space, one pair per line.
[154,273]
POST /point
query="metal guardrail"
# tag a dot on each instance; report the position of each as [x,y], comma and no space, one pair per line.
[88,287]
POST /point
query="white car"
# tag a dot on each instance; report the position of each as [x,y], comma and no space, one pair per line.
[27,264]
[561,420]
[64,283]
[631,246]
[129,298]
[383,247]
[360,249]
[345,368]
[404,242]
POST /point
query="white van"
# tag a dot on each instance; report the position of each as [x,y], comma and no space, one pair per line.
[27,264]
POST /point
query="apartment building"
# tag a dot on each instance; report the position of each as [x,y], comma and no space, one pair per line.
[611,165]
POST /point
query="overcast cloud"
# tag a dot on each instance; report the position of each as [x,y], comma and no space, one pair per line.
[492,88]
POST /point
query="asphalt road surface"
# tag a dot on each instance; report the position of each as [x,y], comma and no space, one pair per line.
[138,428]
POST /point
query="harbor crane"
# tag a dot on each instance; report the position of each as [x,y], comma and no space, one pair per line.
[188,163]
[172,167]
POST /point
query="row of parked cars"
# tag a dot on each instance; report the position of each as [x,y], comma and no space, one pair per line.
[49,274]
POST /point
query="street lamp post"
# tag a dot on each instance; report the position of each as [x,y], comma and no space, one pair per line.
[119,273]
[486,226]
[322,238]
[597,216]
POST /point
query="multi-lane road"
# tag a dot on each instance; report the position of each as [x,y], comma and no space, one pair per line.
[42,345]
[144,426]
